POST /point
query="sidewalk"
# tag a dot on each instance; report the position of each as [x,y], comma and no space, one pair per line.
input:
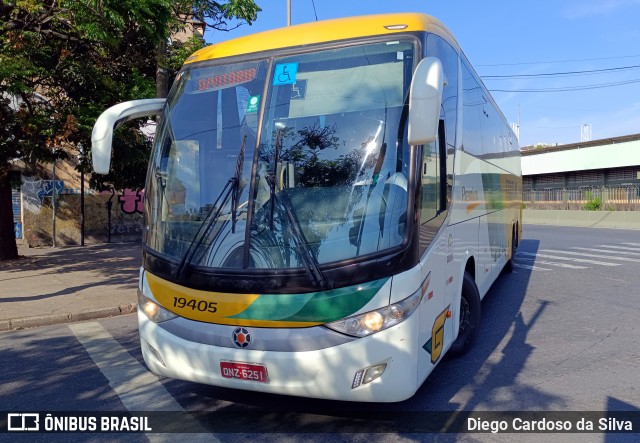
[74,283]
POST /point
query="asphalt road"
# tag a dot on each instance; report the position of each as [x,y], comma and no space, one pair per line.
[561,333]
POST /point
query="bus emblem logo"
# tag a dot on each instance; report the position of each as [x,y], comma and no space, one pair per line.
[241,337]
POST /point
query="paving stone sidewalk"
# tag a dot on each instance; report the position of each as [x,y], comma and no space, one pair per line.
[60,285]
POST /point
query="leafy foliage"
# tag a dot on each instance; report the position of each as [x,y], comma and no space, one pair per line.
[62,62]
[594,203]
[218,14]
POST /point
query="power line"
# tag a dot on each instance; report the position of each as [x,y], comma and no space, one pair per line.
[314,9]
[572,109]
[554,74]
[551,127]
[561,61]
[571,88]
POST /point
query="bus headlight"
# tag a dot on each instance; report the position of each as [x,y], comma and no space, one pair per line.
[378,320]
[153,310]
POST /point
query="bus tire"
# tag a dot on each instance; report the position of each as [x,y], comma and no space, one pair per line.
[509,266]
[469,316]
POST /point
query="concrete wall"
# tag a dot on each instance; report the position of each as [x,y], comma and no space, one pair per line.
[108,216]
[590,219]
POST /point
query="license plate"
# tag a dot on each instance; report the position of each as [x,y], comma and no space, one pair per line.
[244,371]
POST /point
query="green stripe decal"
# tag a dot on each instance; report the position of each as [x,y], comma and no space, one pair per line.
[318,307]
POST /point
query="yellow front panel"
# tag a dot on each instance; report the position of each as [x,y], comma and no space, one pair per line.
[185,301]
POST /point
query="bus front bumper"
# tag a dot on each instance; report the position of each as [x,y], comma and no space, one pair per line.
[330,373]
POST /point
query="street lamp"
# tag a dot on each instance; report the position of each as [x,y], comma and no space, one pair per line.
[53,197]
[81,161]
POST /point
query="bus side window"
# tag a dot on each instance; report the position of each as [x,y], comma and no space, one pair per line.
[434,177]
[443,185]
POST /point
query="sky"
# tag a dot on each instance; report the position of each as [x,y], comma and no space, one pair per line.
[529,40]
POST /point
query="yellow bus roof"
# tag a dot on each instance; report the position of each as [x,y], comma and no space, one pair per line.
[324,31]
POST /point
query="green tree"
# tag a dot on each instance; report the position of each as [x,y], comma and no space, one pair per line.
[214,15]
[62,62]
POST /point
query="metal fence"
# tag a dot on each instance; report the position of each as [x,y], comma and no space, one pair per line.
[620,197]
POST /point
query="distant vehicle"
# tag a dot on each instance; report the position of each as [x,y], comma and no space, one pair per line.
[326,205]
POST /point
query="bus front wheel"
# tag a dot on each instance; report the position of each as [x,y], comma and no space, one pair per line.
[469,316]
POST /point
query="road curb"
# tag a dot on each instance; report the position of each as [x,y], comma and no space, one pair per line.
[55,319]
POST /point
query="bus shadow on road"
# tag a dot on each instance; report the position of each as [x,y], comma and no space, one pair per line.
[487,378]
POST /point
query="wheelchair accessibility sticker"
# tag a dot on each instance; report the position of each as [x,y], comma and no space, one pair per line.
[285,74]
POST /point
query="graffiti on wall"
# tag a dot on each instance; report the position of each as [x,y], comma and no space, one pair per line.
[35,190]
[78,191]
[128,219]
[108,215]
[132,202]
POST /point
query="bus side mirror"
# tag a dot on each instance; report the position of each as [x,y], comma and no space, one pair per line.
[109,120]
[425,99]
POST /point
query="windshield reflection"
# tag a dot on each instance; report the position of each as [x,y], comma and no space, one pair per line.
[328,181]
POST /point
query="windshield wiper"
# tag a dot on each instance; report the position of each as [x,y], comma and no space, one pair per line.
[205,227]
[304,251]
[231,188]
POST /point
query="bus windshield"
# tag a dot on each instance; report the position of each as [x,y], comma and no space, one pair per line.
[284,162]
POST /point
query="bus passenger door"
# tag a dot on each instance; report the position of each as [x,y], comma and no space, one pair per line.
[433,244]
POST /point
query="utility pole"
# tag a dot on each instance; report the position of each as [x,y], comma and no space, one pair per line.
[288,12]
[81,160]
[162,74]
[518,121]
[53,199]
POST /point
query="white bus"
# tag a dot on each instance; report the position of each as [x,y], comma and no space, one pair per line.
[326,205]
